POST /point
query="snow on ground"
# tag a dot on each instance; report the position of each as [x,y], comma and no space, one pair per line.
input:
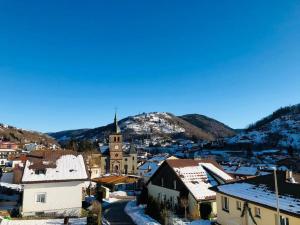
[118,194]
[137,214]
[75,221]
[68,167]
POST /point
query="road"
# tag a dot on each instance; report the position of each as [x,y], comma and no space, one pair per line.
[115,214]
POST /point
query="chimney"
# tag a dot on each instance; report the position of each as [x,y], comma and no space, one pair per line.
[289,176]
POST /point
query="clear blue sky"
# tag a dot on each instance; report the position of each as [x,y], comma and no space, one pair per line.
[68,64]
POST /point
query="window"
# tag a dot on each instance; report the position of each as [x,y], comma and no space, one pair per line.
[132,157]
[162,182]
[225,203]
[284,220]
[174,184]
[41,171]
[238,205]
[41,197]
[257,212]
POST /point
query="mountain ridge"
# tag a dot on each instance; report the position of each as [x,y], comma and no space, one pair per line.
[22,136]
[159,124]
[280,129]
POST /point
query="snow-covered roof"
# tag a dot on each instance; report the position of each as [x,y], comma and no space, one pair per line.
[67,167]
[7,150]
[198,176]
[246,170]
[260,190]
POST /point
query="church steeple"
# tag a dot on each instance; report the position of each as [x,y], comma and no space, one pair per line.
[117,129]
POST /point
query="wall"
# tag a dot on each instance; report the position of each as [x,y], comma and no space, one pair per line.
[60,197]
[154,191]
[233,217]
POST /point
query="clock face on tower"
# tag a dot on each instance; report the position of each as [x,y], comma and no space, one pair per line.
[116,146]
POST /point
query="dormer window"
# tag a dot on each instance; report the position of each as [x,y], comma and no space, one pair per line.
[40,171]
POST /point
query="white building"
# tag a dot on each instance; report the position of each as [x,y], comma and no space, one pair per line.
[53,184]
[4,155]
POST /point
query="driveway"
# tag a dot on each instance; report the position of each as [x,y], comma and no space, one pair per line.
[116,215]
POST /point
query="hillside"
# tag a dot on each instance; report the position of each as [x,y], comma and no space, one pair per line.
[21,136]
[280,129]
[152,125]
[209,125]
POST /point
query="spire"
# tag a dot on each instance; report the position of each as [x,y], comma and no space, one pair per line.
[117,129]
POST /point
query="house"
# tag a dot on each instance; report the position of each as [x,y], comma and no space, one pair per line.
[242,172]
[114,159]
[253,201]
[8,145]
[53,183]
[5,153]
[93,162]
[187,179]
[151,165]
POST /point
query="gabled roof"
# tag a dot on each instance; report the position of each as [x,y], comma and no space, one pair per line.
[58,166]
[261,190]
[198,176]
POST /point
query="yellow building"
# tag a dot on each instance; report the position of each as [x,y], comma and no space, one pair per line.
[253,201]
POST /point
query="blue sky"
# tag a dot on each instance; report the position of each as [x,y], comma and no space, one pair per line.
[68,64]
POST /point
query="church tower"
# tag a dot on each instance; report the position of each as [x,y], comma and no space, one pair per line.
[115,148]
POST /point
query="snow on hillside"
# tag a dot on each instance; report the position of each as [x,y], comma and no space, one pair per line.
[284,131]
[151,123]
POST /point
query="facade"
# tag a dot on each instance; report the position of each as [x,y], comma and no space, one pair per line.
[115,159]
[190,180]
[8,145]
[5,154]
[253,201]
[53,184]
[93,162]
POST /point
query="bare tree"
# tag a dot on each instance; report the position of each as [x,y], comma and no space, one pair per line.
[184,201]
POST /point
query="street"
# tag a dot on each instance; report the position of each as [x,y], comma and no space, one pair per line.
[116,215]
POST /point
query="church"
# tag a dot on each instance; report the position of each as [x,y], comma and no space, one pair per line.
[115,159]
